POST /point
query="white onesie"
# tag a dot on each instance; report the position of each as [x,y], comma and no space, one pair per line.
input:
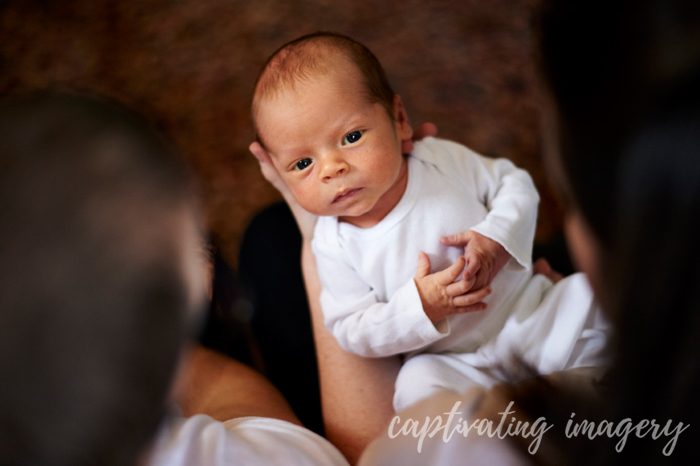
[372,307]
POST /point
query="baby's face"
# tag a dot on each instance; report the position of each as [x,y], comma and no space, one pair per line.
[339,154]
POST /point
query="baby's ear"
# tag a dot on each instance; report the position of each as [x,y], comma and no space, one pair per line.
[403,126]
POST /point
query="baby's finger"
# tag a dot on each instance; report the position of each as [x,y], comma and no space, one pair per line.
[423,265]
[460,287]
[471,308]
[481,279]
[450,274]
[471,298]
[458,239]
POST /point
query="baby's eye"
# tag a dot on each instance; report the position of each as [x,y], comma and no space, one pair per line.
[352,137]
[302,164]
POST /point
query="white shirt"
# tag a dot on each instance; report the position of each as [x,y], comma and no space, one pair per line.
[203,441]
[369,298]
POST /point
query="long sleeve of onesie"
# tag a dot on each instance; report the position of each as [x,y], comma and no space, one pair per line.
[370,318]
[509,195]
[359,320]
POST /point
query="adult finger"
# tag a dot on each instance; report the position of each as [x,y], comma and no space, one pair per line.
[425,130]
[542,267]
[268,170]
[266,167]
[259,152]
[305,220]
[406,146]
[458,239]
[422,131]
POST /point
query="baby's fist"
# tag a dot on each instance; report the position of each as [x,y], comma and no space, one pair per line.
[484,256]
[441,296]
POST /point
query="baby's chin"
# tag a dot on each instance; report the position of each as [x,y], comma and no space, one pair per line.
[328,212]
[316,211]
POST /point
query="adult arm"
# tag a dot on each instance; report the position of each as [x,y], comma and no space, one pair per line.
[234,416]
[223,388]
[356,392]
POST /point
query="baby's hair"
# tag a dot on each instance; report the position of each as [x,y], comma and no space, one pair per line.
[312,55]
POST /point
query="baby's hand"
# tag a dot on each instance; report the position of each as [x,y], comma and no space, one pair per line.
[484,256]
[441,296]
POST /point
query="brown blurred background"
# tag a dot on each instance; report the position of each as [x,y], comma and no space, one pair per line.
[465,65]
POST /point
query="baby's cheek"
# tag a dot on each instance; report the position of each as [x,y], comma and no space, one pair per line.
[309,200]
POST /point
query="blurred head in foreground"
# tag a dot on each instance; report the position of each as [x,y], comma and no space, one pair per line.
[627,152]
[99,274]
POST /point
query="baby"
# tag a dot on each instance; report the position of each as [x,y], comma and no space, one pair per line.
[409,248]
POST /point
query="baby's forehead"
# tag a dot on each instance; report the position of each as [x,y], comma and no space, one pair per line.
[296,75]
[335,96]
[304,63]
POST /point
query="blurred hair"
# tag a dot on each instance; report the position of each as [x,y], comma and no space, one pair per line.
[316,55]
[92,292]
[626,79]
[609,66]
[654,275]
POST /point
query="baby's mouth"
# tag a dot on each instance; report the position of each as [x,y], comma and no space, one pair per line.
[345,195]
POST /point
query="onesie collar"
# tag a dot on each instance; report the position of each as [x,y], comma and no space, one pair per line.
[410,196]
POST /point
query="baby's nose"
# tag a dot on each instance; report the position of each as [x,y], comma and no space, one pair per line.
[333,167]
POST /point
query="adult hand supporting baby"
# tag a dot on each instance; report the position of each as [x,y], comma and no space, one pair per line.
[423,131]
[484,256]
[441,296]
[542,267]
[305,220]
